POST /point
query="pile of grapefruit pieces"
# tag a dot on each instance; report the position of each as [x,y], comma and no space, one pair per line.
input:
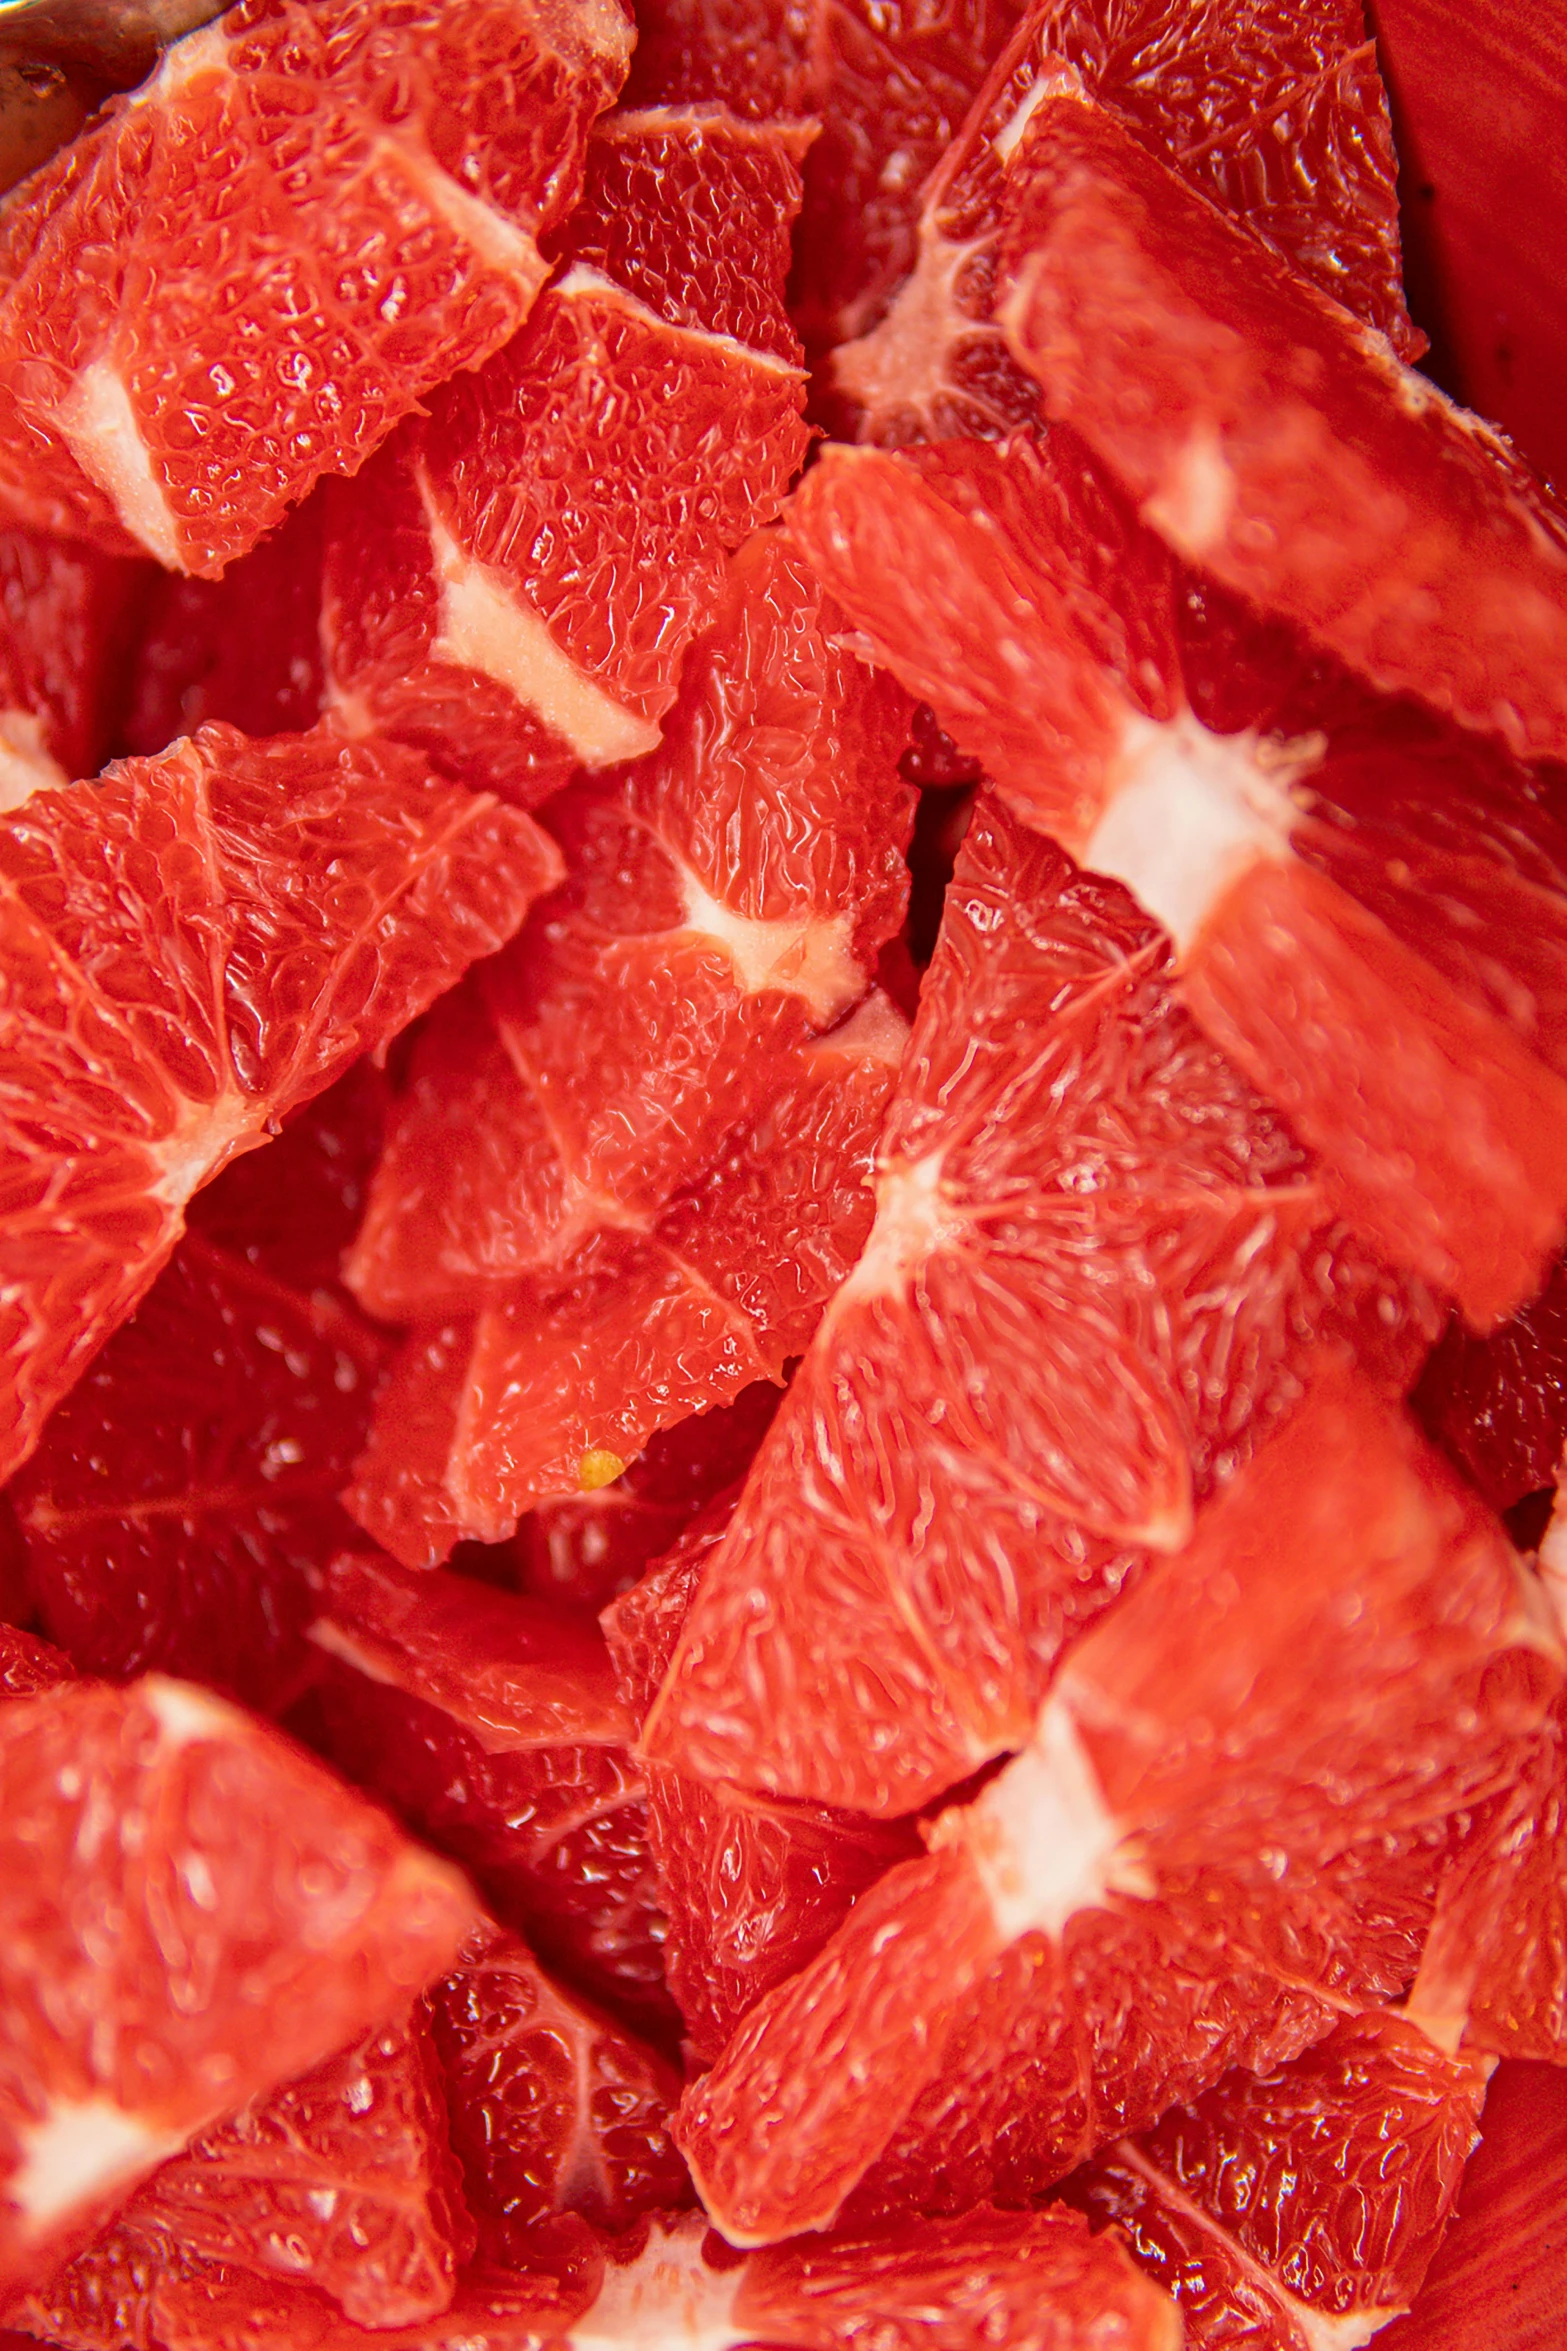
[781,1166]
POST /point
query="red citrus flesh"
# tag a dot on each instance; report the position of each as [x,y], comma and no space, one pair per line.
[175,379]
[1316,2193]
[1327,860]
[1248,417]
[512,584]
[197,944]
[1096,1260]
[342,2180]
[1275,114]
[186,1490]
[492,1724]
[179,1875]
[750,1891]
[1247,1770]
[725,898]
[554,2108]
[552,1392]
[67,618]
[28,1665]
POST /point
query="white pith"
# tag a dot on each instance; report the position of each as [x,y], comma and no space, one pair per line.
[1042,1838]
[914,1218]
[875,1031]
[1187,811]
[486,626]
[26,764]
[1057,77]
[581,283]
[495,236]
[902,362]
[82,2150]
[99,426]
[205,1138]
[1192,506]
[186,1716]
[666,2300]
[1553,1556]
[184,61]
[810,957]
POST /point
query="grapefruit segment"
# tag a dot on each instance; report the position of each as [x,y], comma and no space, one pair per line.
[512,584]
[1272,815]
[1307,2204]
[1498,1404]
[1187,1783]
[751,1891]
[197,944]
[242,1917]
[1276,115]
[554,2108]
[554,1391]
[1269,442]
[726,898]
[342,2180]
[66,624]
[173,381]
[1029,1376]
[492,1723]
[186,1489]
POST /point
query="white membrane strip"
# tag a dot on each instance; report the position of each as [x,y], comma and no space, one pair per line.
[581,284]
[98,424]
[810,958]
[26,766]
[498,240]
[82,2150]
[666,2300]
[486,626]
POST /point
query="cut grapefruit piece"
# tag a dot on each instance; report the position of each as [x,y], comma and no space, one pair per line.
[492,1723]
[28,1665]
[554,2107]
[195,945]
[245,649]
[1493,1974]
[554,1391]
[1276,114]
[1370,909]
[1268,440]
[171,381]
[194,1912]
[1498,1404]
[511,585]
[1500,2277]
[343,2180]
[1305,2206]
[186,1489]
[751,1891]
[887,89]
[726,897]
[1346,1657]
[1096,1260]
[66,627]
[588,1548]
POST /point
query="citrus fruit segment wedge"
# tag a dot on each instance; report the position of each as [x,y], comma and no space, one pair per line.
[726,897]
[187,1487]
[1271,443]
[1277,115]
[342,2180]
[1326,898]
[553,2106]
[194,1911]
[169,381]
[1506,2252]
[196,945]
[1347,1655]
[554,1391]
[245,649]
[66,626]
[588,1548]
[493,1725]
[1095,1260]
[511,586]
[750,1891]
[1305,2205]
